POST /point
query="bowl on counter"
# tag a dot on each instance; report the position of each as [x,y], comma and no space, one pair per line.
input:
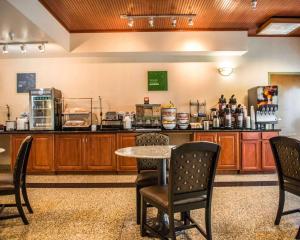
[182,116]
[183,126]
[183,121]
[168,118]
[169,125]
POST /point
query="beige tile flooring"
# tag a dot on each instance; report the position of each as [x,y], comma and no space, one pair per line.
[108,214]
[131,178]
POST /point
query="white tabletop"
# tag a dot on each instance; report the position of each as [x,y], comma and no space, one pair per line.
[2,150]
[150,152]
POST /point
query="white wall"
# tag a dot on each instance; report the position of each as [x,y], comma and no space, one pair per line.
[122,83]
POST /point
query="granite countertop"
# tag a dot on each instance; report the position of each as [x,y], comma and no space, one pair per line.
[136,131]
[149,152]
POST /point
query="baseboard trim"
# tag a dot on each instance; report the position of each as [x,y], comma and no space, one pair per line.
[130,185]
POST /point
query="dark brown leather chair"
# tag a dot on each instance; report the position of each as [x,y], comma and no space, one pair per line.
[147,168]
[287,157]
[191,176]
[11,184]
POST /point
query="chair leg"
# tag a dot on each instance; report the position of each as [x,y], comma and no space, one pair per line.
[208,222]
[280,206]
[143,217]
[26,200]
[186,217]
[172,232]
[19,206]
[298,234]
[138,206]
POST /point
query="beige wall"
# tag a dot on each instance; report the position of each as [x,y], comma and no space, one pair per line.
[122,81]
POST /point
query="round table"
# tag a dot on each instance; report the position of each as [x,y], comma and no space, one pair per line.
[152,152]
[2,150]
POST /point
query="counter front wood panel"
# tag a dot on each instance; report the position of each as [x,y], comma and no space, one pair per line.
[209,137]
[268,161]
[94,151]
[251,155]
[230,151]
[43,151]
[41,158]
[125,163]
[100,152]
[69,152]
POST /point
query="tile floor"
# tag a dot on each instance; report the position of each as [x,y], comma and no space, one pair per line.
[108,214]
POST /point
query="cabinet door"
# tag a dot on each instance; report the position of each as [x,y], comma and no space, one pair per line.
[268,161]
[251,155]
[43,153]
[209,137]
[16,141]
[230,154]
[69,152]
[126,163]
[100,152]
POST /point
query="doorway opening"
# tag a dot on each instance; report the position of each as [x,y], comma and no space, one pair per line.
[288,102]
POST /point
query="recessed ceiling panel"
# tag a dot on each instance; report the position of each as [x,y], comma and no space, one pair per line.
[104,15]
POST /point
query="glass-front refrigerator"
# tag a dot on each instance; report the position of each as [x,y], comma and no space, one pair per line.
[45,109]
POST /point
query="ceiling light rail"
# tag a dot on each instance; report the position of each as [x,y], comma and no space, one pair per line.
[22,45]
[151,18]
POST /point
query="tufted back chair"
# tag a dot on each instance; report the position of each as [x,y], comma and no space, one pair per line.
[150,139]
[287,156]
[192,170]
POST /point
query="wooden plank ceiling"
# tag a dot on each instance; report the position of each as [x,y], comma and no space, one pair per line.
[104,15]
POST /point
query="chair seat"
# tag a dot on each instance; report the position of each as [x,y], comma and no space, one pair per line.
[5,187]
[6,178]
[147,178]
[159,195]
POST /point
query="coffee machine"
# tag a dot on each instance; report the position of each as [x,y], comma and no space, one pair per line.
[264,99]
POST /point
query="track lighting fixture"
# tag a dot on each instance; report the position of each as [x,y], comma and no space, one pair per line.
[151,22]
[130,22]
[23,48]
[191,22]
[254,4]
[22,45]
[151,18]
[41,48]
[174,22]
[4,49]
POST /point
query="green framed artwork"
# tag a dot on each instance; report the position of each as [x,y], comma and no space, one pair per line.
[157,81]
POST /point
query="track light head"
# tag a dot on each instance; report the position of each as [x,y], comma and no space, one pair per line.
[4,49]
[174,22]
[151,22]
[41,48]
[23,48]
[253,4]
[191,22]
[130,22]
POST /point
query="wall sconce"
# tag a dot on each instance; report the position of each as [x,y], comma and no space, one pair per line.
[225,71]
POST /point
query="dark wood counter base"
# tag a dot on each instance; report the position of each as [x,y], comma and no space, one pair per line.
[93,152]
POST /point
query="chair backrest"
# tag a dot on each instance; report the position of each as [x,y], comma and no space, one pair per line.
[192,170]
[22,160]
[286,152]
[150,139]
